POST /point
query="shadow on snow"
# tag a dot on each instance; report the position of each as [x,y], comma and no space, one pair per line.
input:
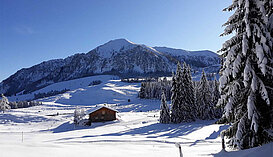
[163,130]
[68,126]
[213,135]
[9,118]
[150,131]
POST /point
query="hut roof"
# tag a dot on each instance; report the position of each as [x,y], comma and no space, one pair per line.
[98,108]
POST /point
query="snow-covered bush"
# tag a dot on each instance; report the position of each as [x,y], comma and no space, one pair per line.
[78,115]
[4,103]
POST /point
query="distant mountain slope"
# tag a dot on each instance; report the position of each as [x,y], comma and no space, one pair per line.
[118,57]
[195,58]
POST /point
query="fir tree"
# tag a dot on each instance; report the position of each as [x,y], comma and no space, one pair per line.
[268,5]
[246,76]
[176,82]
[215,97]
[164,110]
[204,104]
[182,96]
[187,108]
[142,91]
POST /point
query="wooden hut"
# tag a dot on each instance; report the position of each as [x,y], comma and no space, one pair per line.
[102,114]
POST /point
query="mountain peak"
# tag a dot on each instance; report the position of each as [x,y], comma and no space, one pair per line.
[113,46]
[118,43]
[121,41]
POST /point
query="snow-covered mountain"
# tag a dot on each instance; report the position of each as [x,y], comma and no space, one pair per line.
[120,57]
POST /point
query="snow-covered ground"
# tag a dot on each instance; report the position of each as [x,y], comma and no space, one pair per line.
[47,130]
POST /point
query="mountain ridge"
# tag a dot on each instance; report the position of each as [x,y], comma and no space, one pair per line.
[119,57]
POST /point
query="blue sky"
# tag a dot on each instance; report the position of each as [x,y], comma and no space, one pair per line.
[32,31]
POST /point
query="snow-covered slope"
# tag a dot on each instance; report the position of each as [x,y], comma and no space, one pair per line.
[119,57]
[112,47]
[202,59]
[110,91]
[48,129]
[180,52]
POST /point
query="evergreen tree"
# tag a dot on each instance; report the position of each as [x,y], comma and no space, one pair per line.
[215,97]
[268,5]
[205,106]
[191,93]
[176,84]
[182,96]
[142,91]
[246,76]
[164,110]
[4,103]
[187,108]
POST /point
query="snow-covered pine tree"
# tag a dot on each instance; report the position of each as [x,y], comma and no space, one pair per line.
[244,82]
[192,92]
[215,97]
[142,91]
[166,87]
[205,106]
[176,91]
[268,5]
[269,11]
[188,109]
[182,99]
[164,110]
[195,87]
[149,90]
[4,103]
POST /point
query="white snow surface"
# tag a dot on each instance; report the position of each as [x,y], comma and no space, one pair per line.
[115,46]
[47,130]
[180,52]
[108,49]
[112,47]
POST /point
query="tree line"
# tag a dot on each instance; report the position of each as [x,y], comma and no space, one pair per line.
[190,100]
[6,105]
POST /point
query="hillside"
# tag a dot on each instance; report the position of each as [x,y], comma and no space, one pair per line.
[119,57]
[137,132]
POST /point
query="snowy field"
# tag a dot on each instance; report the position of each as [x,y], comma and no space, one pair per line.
[47,130]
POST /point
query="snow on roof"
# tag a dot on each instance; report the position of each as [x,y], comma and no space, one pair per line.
[98,108]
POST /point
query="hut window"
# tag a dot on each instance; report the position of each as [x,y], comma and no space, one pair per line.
[102,117]
[96,117]
[103,112]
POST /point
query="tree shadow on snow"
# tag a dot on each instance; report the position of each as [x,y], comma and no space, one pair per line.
[215,134]
[69,126]
[163,130]
[9,118]
[150,131]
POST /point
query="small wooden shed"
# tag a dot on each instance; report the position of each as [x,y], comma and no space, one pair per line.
[102,114]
